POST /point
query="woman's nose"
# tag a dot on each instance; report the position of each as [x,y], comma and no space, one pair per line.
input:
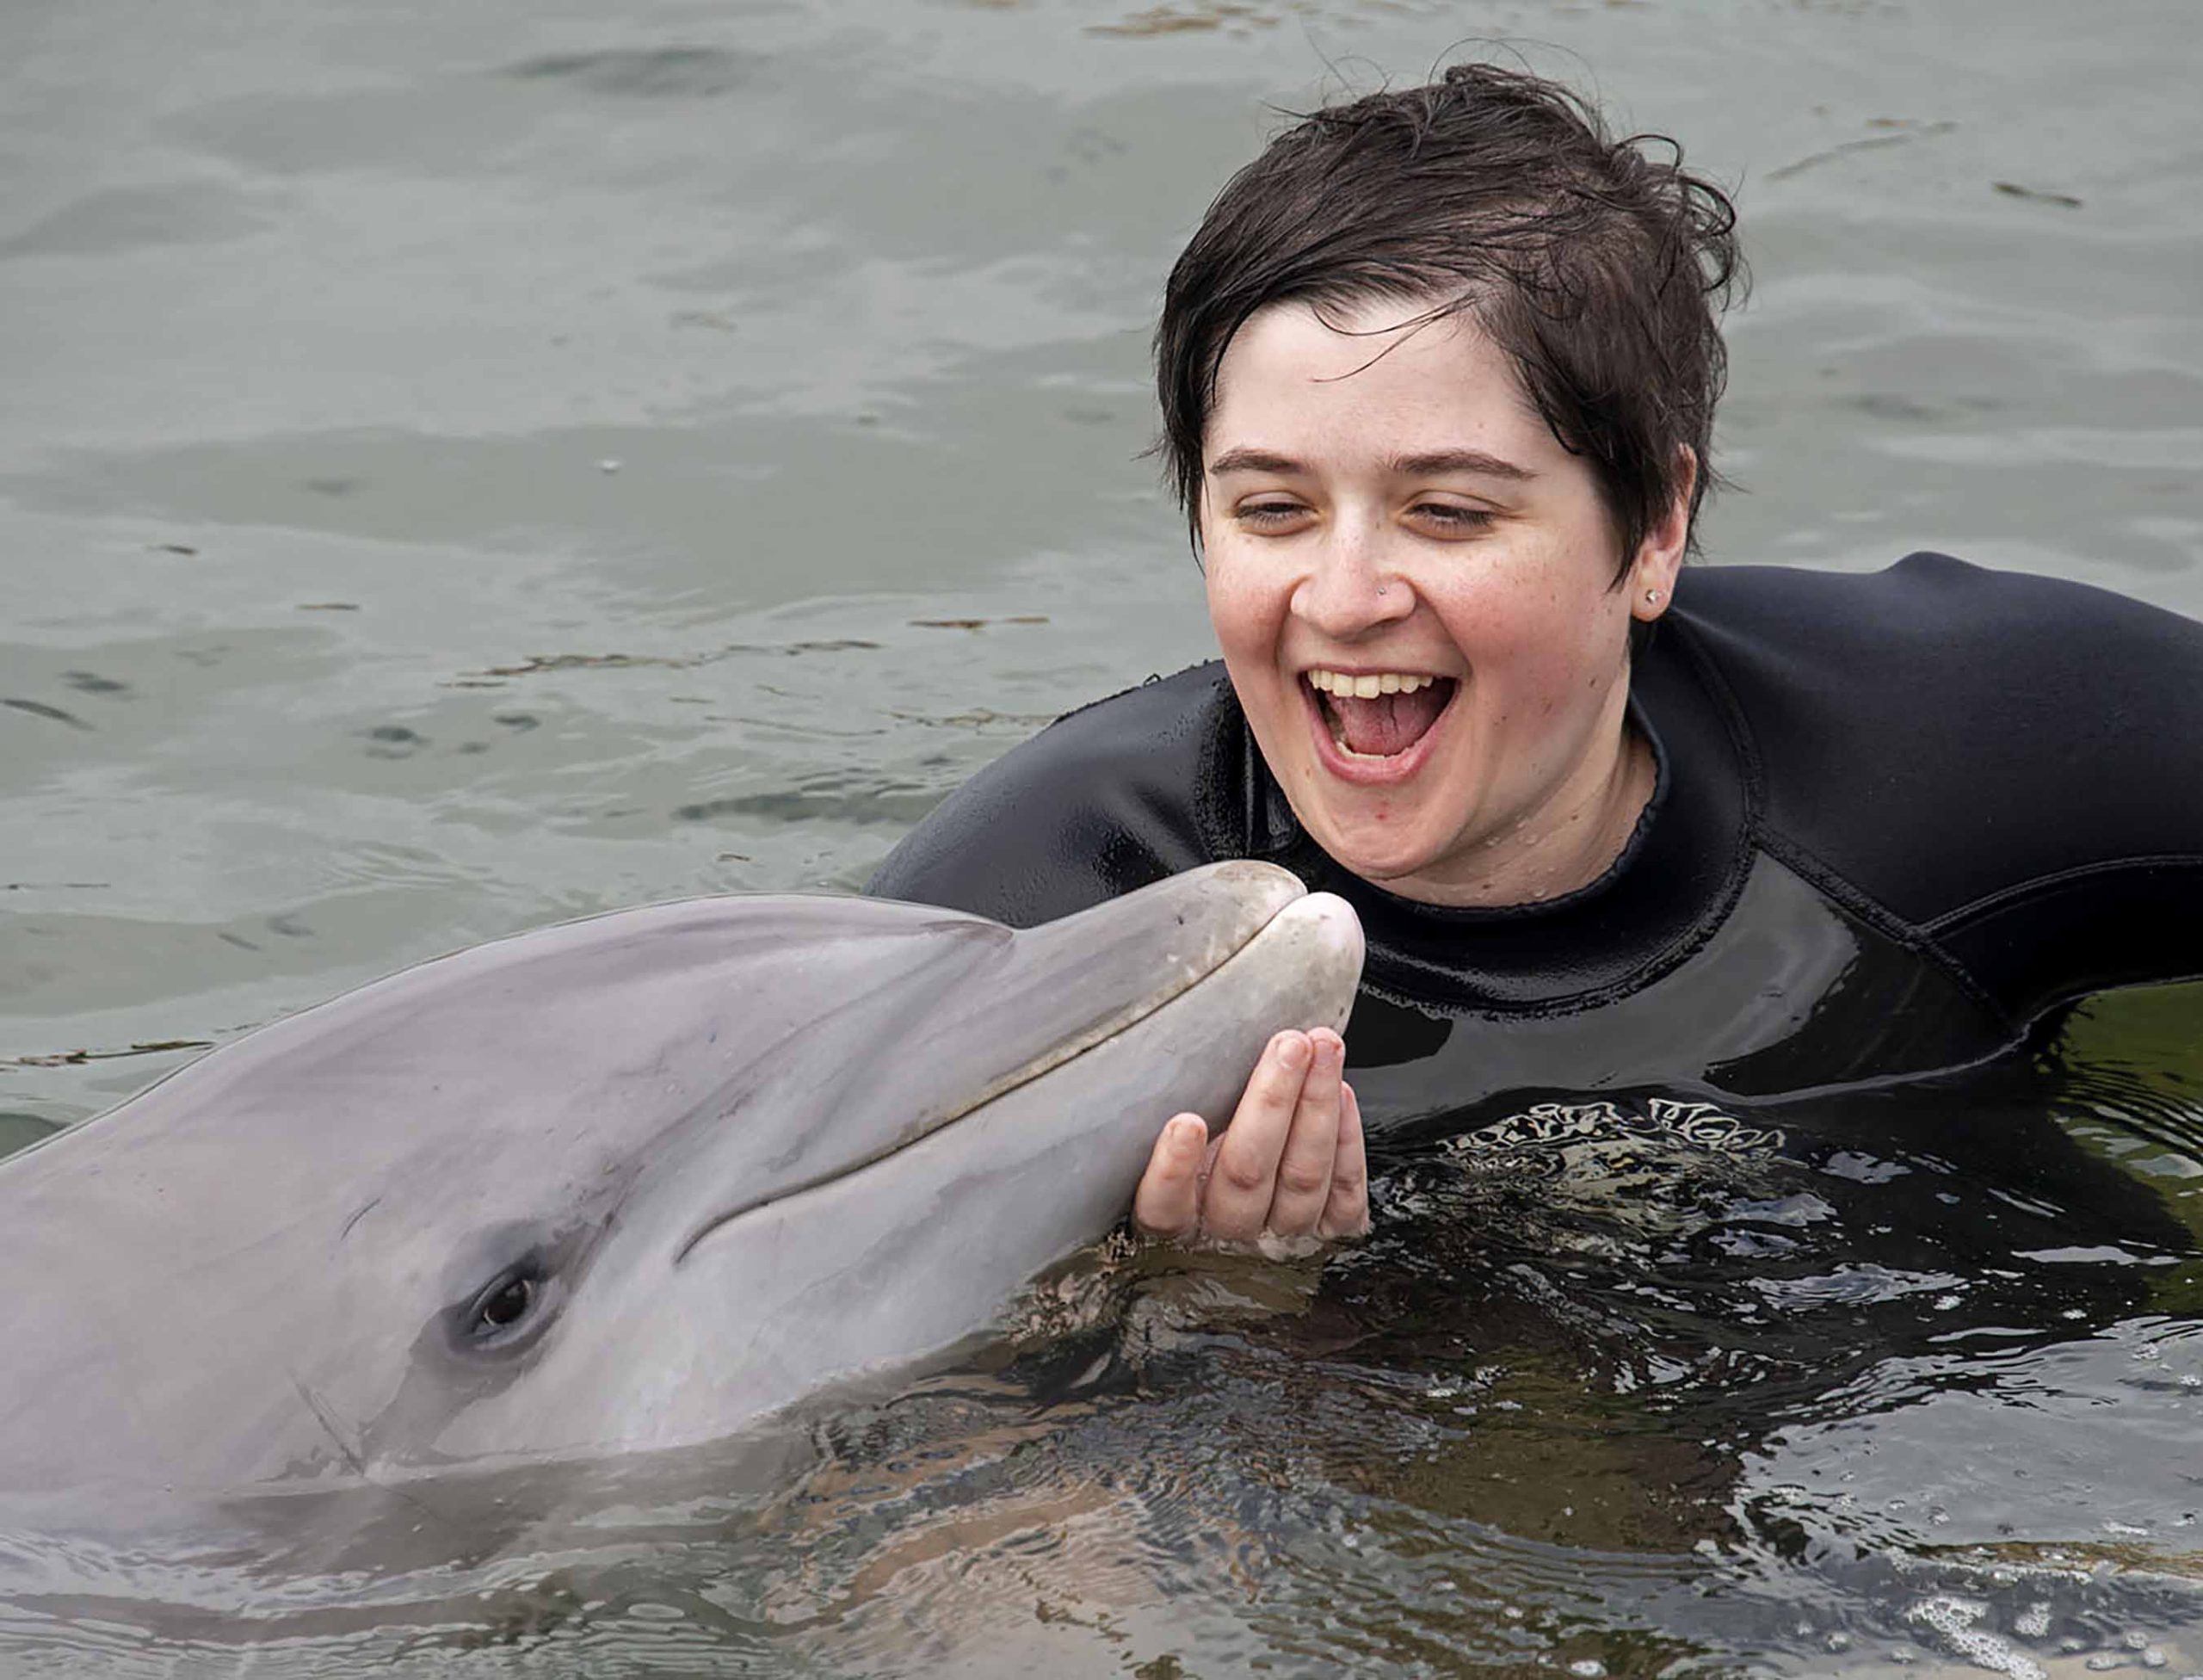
[1350,588]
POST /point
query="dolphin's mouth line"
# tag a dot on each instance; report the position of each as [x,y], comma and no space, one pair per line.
[1066,1050]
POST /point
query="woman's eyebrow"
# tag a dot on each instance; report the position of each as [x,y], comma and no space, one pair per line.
[1257,461]
[1443,461]
[1436,464]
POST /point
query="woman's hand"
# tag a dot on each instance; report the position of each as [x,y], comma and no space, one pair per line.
[1290,1165]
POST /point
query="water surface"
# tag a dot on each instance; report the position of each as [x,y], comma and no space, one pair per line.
[463,467]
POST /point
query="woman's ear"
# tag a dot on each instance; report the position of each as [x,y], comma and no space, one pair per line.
[1660,556]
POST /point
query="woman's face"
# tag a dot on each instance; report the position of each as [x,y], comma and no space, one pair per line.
[1414,585]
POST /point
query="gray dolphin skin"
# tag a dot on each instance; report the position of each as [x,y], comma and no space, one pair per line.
[631,1182]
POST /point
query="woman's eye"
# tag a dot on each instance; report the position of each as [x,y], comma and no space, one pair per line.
[1269,515]
[1450,518]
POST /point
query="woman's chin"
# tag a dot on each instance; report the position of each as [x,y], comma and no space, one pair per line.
[1380,858]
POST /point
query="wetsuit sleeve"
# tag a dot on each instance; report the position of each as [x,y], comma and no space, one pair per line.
[2008,769]
[1106,800]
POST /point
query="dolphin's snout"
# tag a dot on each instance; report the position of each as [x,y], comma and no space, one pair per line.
[1263,886]
[1316,941]
[1241,947]
[1332,924]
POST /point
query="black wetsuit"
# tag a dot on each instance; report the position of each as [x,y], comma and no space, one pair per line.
[1899,818]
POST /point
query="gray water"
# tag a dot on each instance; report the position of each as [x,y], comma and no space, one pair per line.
[462,467]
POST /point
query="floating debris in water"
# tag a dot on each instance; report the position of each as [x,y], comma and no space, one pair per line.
[2013,189]
[78,1058]
[394,740]
[1170,20]
[38,708]
[1872,143]
[649,72]
[536,664]
[977,717]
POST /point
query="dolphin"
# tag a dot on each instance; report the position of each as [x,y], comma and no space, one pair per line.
[628,1183]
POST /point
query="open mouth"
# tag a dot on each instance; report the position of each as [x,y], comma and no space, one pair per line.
[1374,718]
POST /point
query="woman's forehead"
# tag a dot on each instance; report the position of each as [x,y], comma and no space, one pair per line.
[1385,379]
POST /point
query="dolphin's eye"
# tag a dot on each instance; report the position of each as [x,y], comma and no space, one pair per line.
[504,1309]
[507,1307]
[506,1289]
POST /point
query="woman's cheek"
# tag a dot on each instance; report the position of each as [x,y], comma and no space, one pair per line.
[1244,614]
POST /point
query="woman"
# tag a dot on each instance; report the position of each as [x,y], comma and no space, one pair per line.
[1438,374]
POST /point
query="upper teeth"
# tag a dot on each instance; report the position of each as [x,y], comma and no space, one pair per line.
[1367,687]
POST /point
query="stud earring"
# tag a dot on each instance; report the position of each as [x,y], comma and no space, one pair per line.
[1652,597]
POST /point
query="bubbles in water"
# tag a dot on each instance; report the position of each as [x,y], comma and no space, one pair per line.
[1954,1618]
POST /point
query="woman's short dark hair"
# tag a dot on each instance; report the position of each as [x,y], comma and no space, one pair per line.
[1597,266]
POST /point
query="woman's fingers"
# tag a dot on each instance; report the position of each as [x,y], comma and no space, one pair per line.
[1167,1203]
[1346,1211]
[1242,1178]
[1290,1165]
[1302,1191]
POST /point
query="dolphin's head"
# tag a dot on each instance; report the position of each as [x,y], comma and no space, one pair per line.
[628,1182]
